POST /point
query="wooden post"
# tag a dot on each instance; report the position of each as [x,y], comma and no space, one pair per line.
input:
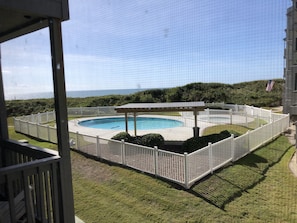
[3,114]
[126,121]
[67,203]
[135,131]
[195,117]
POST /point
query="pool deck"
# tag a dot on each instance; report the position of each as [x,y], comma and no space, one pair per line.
[169,134]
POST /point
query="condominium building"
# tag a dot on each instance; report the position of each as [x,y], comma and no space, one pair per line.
[290,61]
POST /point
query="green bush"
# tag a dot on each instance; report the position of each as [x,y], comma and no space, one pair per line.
[195,143]
[123,135]
[152,140]
[136,140]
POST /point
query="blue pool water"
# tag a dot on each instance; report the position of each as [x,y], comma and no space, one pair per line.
[142,123]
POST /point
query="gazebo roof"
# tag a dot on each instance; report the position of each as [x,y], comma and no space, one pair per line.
[159,107]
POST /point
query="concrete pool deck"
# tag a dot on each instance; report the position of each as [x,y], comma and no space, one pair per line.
[169,134]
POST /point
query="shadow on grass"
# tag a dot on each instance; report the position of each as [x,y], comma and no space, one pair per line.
[231,182]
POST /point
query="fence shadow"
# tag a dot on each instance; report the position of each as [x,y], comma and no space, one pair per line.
[225,186]
[229,183]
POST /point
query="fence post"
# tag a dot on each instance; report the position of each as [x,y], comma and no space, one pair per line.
[98,148]
[28,130]
[37,131]
[271,130]
[232,147]
[123,159]
[207,113]
[210,157]
[48,133]
[81,111]
[77,140]
[156,154]
[38,118]
[248,140]
[246,118]
[230,112]
[54,114]
[186,171]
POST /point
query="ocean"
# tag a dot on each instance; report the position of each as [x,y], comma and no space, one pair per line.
[74,94]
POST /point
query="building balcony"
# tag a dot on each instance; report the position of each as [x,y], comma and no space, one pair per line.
[35,183]
[29,183]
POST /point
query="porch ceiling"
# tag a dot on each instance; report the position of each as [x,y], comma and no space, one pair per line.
[19,17]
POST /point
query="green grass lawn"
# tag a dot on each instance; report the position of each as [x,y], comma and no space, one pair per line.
[257,188]
[219,128]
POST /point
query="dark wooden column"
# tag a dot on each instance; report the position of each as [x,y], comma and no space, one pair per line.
[3,113]
[61,119]
[135,123]
[126,121]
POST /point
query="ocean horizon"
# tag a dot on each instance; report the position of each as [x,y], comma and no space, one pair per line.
[75,94]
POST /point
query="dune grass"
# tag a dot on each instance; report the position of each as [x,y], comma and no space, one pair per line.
[257,188]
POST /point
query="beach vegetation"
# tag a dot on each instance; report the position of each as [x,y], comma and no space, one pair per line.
[249,93]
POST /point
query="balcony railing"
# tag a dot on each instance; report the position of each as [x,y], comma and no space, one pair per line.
[29,183]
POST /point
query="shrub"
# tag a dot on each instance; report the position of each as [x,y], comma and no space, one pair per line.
[152,140]
[224,134]
[195,143]
[136,140]
[123,135]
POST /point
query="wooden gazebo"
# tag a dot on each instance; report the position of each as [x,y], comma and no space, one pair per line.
[36,183]
[135,108]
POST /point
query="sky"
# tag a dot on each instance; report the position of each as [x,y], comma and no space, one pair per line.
[122,44]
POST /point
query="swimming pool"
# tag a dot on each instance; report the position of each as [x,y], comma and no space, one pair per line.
[142,123]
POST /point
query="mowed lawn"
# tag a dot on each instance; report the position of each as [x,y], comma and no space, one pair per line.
[258,188]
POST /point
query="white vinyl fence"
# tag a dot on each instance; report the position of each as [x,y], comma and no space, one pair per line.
[184,169]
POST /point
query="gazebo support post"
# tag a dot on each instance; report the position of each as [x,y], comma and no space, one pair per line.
[126,121]
[135,131]
[195,129]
